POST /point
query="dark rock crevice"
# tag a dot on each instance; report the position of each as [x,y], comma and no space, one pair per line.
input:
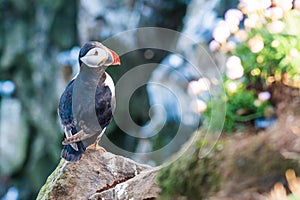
[113,185]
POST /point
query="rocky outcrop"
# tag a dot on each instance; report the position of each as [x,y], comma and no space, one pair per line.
[100,176]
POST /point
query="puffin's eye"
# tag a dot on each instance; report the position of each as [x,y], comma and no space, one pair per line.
[96,53]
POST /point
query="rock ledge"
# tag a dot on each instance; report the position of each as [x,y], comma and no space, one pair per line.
[101,175]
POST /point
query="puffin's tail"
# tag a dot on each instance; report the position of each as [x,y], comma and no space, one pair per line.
[70,154]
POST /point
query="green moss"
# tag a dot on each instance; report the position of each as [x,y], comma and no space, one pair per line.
[293,197]
[192,177]
[50,182]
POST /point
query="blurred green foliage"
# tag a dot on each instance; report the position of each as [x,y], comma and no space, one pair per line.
[263,49]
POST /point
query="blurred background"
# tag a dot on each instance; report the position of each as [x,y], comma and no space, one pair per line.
[39,45]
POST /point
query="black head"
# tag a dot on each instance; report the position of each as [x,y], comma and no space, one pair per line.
[94,54]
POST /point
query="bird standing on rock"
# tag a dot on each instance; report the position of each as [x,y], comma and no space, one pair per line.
[86,106]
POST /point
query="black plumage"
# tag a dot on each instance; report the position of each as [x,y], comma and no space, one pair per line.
[86,106]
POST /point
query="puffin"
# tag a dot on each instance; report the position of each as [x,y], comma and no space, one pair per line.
[86,106]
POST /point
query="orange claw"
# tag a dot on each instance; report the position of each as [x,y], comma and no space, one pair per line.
[96,147]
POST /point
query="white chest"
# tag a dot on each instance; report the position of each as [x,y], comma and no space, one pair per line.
[110,83]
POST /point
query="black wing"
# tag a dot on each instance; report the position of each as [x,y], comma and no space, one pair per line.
[65,107]
[104,105]
[68,123]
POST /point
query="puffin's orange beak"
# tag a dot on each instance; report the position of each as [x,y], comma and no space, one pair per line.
[116,59]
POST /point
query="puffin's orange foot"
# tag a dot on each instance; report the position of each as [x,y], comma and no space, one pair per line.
[96,147]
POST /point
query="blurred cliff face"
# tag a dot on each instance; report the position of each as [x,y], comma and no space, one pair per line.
[32,33]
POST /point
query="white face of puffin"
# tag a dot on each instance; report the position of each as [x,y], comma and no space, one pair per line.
[95,57]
